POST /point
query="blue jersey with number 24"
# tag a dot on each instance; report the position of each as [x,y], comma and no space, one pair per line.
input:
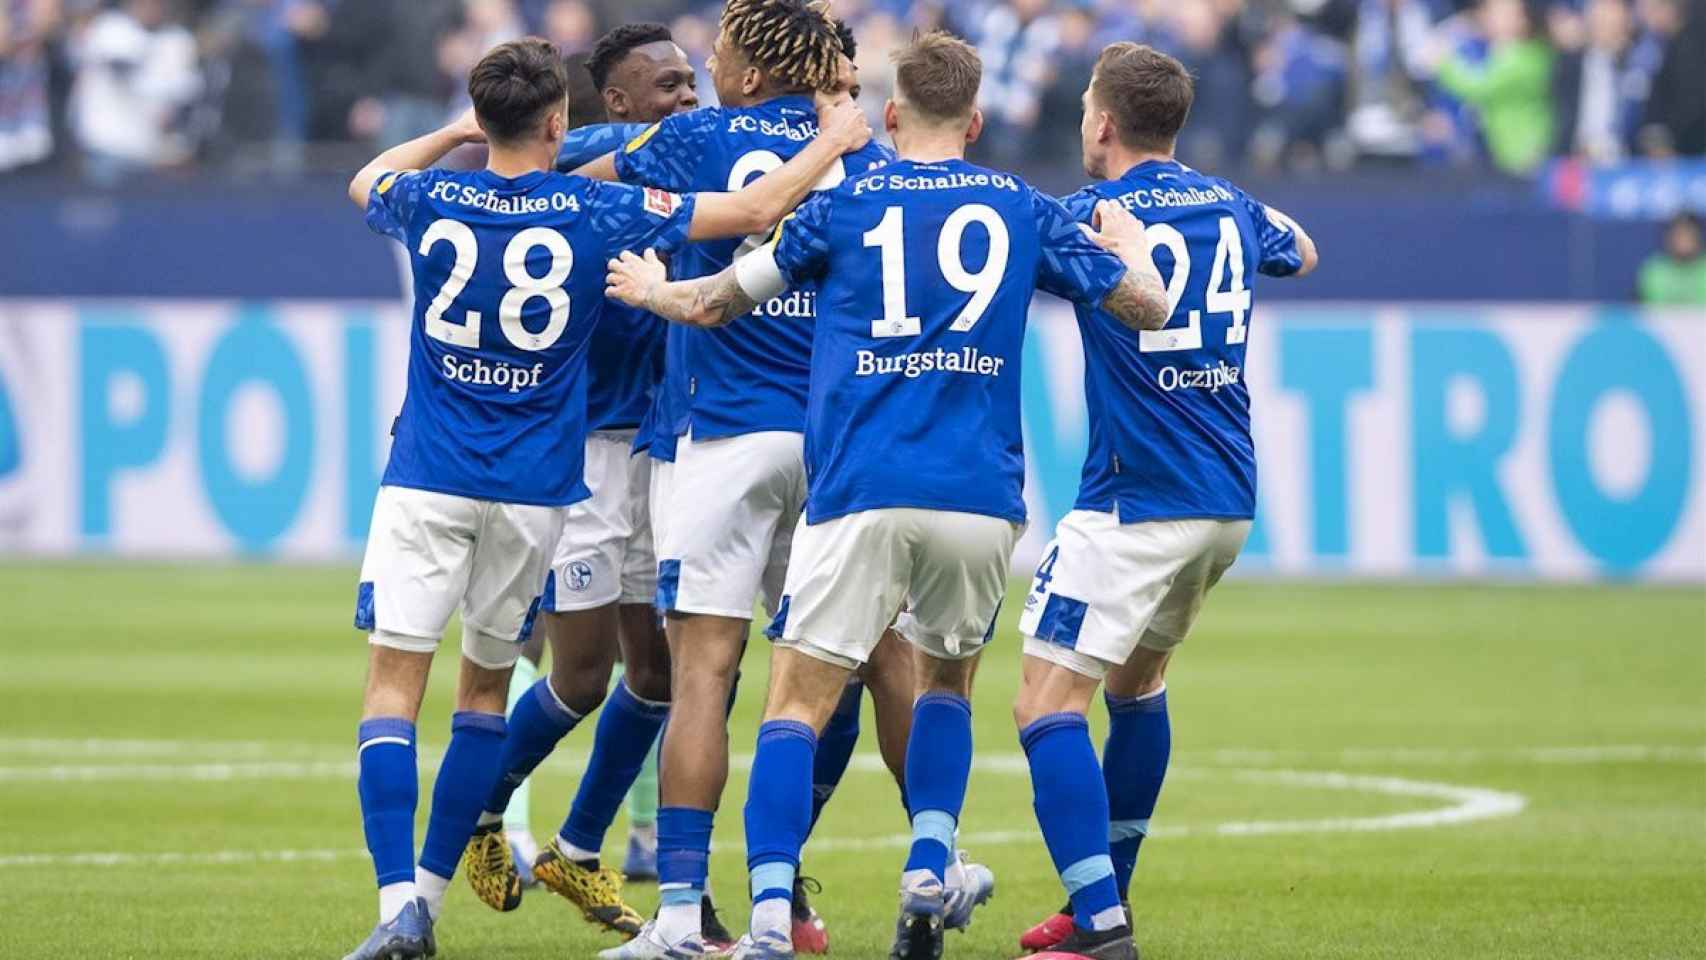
[1168,409]
[508,283]
[925,274]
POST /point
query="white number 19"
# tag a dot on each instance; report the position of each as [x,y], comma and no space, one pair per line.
[889,237]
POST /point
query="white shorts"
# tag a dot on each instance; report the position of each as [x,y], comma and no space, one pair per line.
[851,574]
[605,555]
[1105,588]
[732,505]
[428,553]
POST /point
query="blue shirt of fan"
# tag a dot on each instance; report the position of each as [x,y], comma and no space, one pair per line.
[750,376]
[1169,410]
[926,414]
[508,287]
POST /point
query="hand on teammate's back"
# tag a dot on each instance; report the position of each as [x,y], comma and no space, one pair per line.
[1115,230]
[467,127]
[840,120]
[632,277]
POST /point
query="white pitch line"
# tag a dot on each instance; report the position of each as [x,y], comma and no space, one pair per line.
[1466,804]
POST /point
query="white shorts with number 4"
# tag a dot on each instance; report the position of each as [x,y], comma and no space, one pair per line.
[1105,588]
[430,553]
[851,574]
[605,555]
[731,505]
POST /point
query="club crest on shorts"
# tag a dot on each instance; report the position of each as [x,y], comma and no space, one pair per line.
[578,575]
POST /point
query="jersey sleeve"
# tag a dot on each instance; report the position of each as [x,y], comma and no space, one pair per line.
[391,202]
[1071,266]
[1276,242]
[583,145]
[802,241]
[638,218]
[667,153]
[1080,204]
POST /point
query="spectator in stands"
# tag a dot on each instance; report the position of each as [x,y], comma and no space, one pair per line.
[1676,274]
[1675,118]
[1200,33]
[388,91]
[570,24]
[1055,139]
[1016,39]
[26,129]
[1299,85]
[1600,84]
[1511,90]
[136,76]
[1388,95]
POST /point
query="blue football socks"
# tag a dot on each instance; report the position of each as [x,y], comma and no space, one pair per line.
[465,779]
[938,764]
[778,817]
[627,728]
[538,721]
[388,788]
[835,747]
[1071,807]
[1134,763]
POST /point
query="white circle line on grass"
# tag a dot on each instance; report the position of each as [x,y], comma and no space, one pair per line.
[1465,804]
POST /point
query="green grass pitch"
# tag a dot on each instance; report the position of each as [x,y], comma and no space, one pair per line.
[1359,771]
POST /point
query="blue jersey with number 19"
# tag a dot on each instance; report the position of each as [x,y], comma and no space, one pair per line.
[1169,412]
[509,283]
[926,272]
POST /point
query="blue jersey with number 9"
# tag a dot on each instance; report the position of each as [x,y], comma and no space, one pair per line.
[1168,409]
[508,284]
[925,274]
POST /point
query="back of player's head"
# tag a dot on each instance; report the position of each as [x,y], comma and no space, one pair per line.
[937,75]
[586,107]
[515,86]
[618,43]
[849,43]
[1146,92]
[793,42]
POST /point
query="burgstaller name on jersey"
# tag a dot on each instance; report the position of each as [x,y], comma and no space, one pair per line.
[912,365]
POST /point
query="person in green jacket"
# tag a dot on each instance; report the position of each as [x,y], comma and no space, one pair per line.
[1510,90]
[1676,275]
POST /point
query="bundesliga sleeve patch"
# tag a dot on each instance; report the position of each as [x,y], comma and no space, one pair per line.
[640,140]
[387,181]
[661,203]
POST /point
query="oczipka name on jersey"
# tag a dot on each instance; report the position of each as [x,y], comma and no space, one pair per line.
[797,130]
[912,365]
[479,373]
[1157,198]
[946,180]
[1222,374]
[491,201]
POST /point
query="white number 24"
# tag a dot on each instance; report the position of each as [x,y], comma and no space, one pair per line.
[888,237]
[1226,291]
[523,286]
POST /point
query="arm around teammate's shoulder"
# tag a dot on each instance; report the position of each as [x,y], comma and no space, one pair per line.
[416,154]
[1139,300]
[1306,252]
[760,205]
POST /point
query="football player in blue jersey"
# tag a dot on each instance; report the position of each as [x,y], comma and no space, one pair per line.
[924,270]
[730,415]
[488,447]
[1167,498]
[598,596]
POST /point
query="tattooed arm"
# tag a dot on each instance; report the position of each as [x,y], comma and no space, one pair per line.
[1139,301]
[705,302]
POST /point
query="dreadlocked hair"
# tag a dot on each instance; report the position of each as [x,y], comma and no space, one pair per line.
[793,41]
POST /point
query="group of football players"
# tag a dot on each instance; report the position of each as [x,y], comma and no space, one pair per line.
[814,405]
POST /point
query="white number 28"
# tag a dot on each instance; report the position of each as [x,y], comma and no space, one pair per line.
[524,286]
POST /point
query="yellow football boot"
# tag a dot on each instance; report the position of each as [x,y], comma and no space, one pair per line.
[596,890]
[490,870]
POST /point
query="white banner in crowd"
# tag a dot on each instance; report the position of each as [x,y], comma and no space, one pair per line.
[1513,442]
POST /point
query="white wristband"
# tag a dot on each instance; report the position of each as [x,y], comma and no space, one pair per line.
[759,276]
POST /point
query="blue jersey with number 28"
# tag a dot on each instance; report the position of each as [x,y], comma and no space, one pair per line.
[1168,409]
[925,274]
[509,283]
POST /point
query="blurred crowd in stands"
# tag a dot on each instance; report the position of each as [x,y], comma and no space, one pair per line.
[112,87]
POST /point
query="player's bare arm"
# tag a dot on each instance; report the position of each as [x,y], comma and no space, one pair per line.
[416,154]
[604,168]
[760,205]
[1140,299]
[711,301]
[1305,243]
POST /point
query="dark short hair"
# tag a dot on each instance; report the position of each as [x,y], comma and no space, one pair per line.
[612,48]
[938,74]
[1147,92]
[586,107]
[792,41]
[515,85]
[849,43]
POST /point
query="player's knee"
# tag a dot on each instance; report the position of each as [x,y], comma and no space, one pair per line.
[647,679]
[580,689]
